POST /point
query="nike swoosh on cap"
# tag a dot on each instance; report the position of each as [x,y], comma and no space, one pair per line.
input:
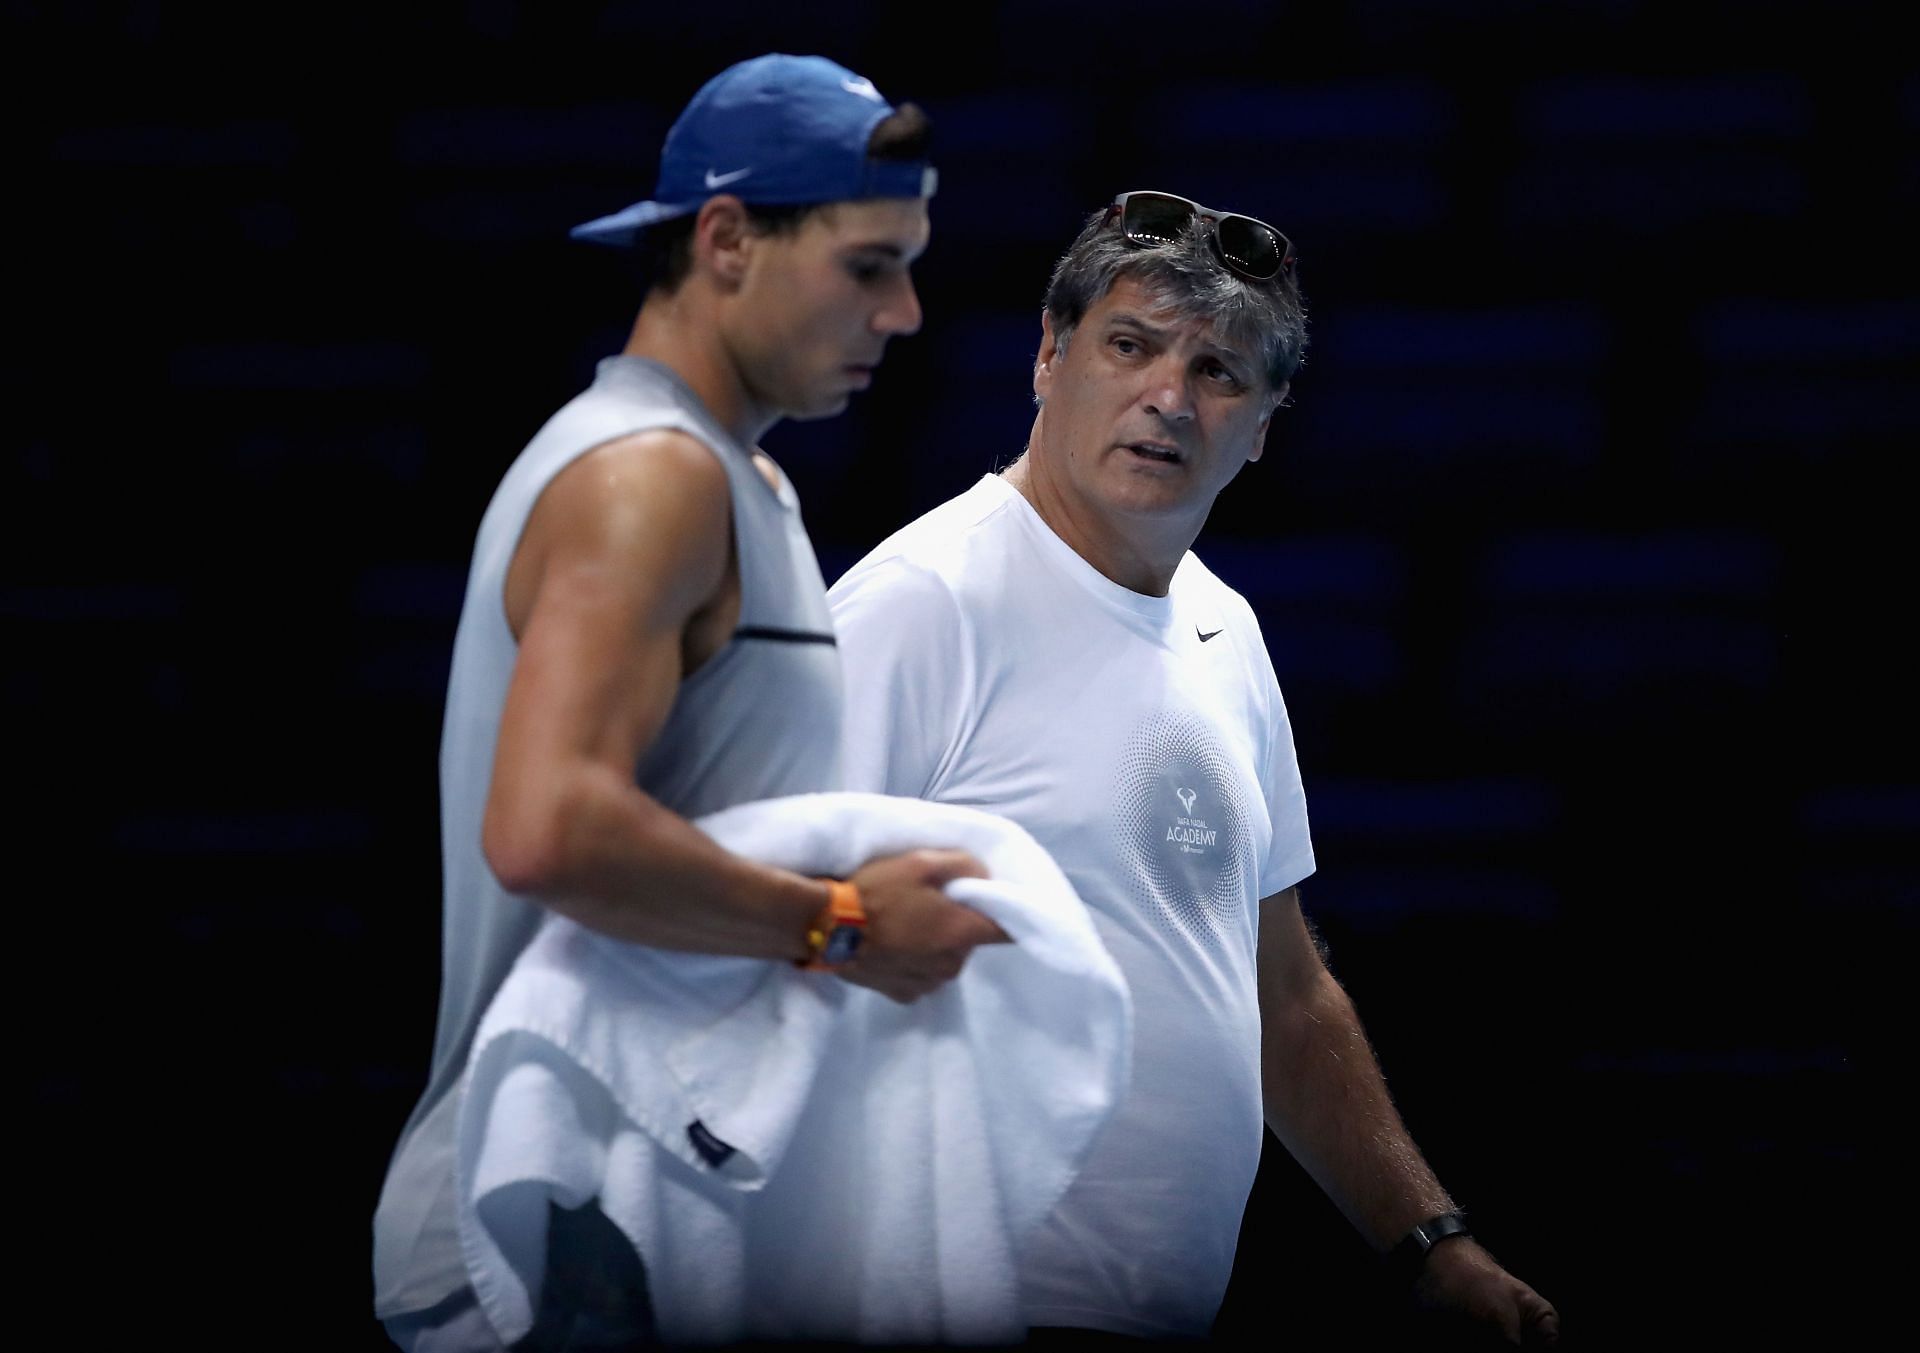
[720,180]
[863,87]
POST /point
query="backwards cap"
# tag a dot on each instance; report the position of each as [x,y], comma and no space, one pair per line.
[775,131]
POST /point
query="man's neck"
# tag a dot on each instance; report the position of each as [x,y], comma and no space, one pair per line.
[1141,555]
[668,331]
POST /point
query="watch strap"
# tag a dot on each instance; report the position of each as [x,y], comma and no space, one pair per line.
[1410,1255]
[836,933]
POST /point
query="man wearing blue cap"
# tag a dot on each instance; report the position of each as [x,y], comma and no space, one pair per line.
[645,639]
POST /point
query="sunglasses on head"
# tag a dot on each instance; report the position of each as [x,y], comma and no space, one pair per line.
[1251,248]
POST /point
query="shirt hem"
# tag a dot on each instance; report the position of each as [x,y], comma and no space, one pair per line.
[394,1307]
[1076,1317]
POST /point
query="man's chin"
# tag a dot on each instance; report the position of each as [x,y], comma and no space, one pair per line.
[824,406]
[1151,496]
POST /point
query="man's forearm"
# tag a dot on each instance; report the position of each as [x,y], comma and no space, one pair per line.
[598,851]
[1327,1102]
[603,853]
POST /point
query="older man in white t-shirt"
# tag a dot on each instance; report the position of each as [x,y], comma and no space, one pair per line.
[1045,646]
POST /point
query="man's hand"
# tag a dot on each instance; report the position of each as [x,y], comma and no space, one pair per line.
[917,937]
[1466,1289]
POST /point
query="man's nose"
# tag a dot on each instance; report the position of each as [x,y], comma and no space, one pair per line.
[1168,393]
[901,314]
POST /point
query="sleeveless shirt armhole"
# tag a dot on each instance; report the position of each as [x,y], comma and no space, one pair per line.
[511,547]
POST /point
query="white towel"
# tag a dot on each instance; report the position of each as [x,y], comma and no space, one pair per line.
[795,1157]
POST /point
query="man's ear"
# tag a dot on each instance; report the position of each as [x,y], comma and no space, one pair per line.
[1278,398]
[722,241]
[1043,363]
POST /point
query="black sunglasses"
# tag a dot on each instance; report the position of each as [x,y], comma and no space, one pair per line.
[1251,248]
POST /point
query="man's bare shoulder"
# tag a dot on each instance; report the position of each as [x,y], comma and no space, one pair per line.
[652,508]
[661,472]
[661,489]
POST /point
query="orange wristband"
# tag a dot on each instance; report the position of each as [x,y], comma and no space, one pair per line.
[836,933]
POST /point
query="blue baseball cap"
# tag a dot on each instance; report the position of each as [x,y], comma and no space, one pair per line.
[774,131]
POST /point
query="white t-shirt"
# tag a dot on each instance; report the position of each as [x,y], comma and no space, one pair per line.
[1142,740]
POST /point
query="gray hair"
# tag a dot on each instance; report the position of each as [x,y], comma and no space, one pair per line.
[1187,277]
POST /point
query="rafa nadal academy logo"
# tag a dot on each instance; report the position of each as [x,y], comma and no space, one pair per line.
[1180,827]
[1189,833]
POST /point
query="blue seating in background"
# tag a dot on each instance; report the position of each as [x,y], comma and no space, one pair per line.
[817,453]
[1357,573]
[367,366]
[995,347]
[1804,379]
[1444,405]
[411,591]
[258,833]
[115,603]
[1857,843]
[1396,849]
[1646,111]
[1646,155]
[1007,162]
[1785,334]
[1497,810]
[405,615]
[1568,622]
[1850,812]
[1331,157]
[1561,568]
[242,145]
[1367,897]
[980,408]
[1906,178]
[1412,427]
[1376,341]
[499,176]
[618,137]
[1391,849]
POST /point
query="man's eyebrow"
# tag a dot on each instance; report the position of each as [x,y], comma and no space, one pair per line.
[1243,365]
[884,248]
[1125,319]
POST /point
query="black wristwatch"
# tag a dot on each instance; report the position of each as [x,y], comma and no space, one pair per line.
[1410,1255]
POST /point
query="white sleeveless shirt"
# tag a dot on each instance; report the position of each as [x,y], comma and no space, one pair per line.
[760,719]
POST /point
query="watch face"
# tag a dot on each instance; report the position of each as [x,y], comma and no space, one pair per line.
[842,944]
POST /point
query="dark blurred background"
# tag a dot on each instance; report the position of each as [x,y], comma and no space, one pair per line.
[1581,557]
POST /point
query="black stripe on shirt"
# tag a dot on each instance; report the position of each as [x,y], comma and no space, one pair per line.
[780,636]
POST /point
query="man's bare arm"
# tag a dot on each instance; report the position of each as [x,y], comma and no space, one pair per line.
[625,556]
[1327,1102]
